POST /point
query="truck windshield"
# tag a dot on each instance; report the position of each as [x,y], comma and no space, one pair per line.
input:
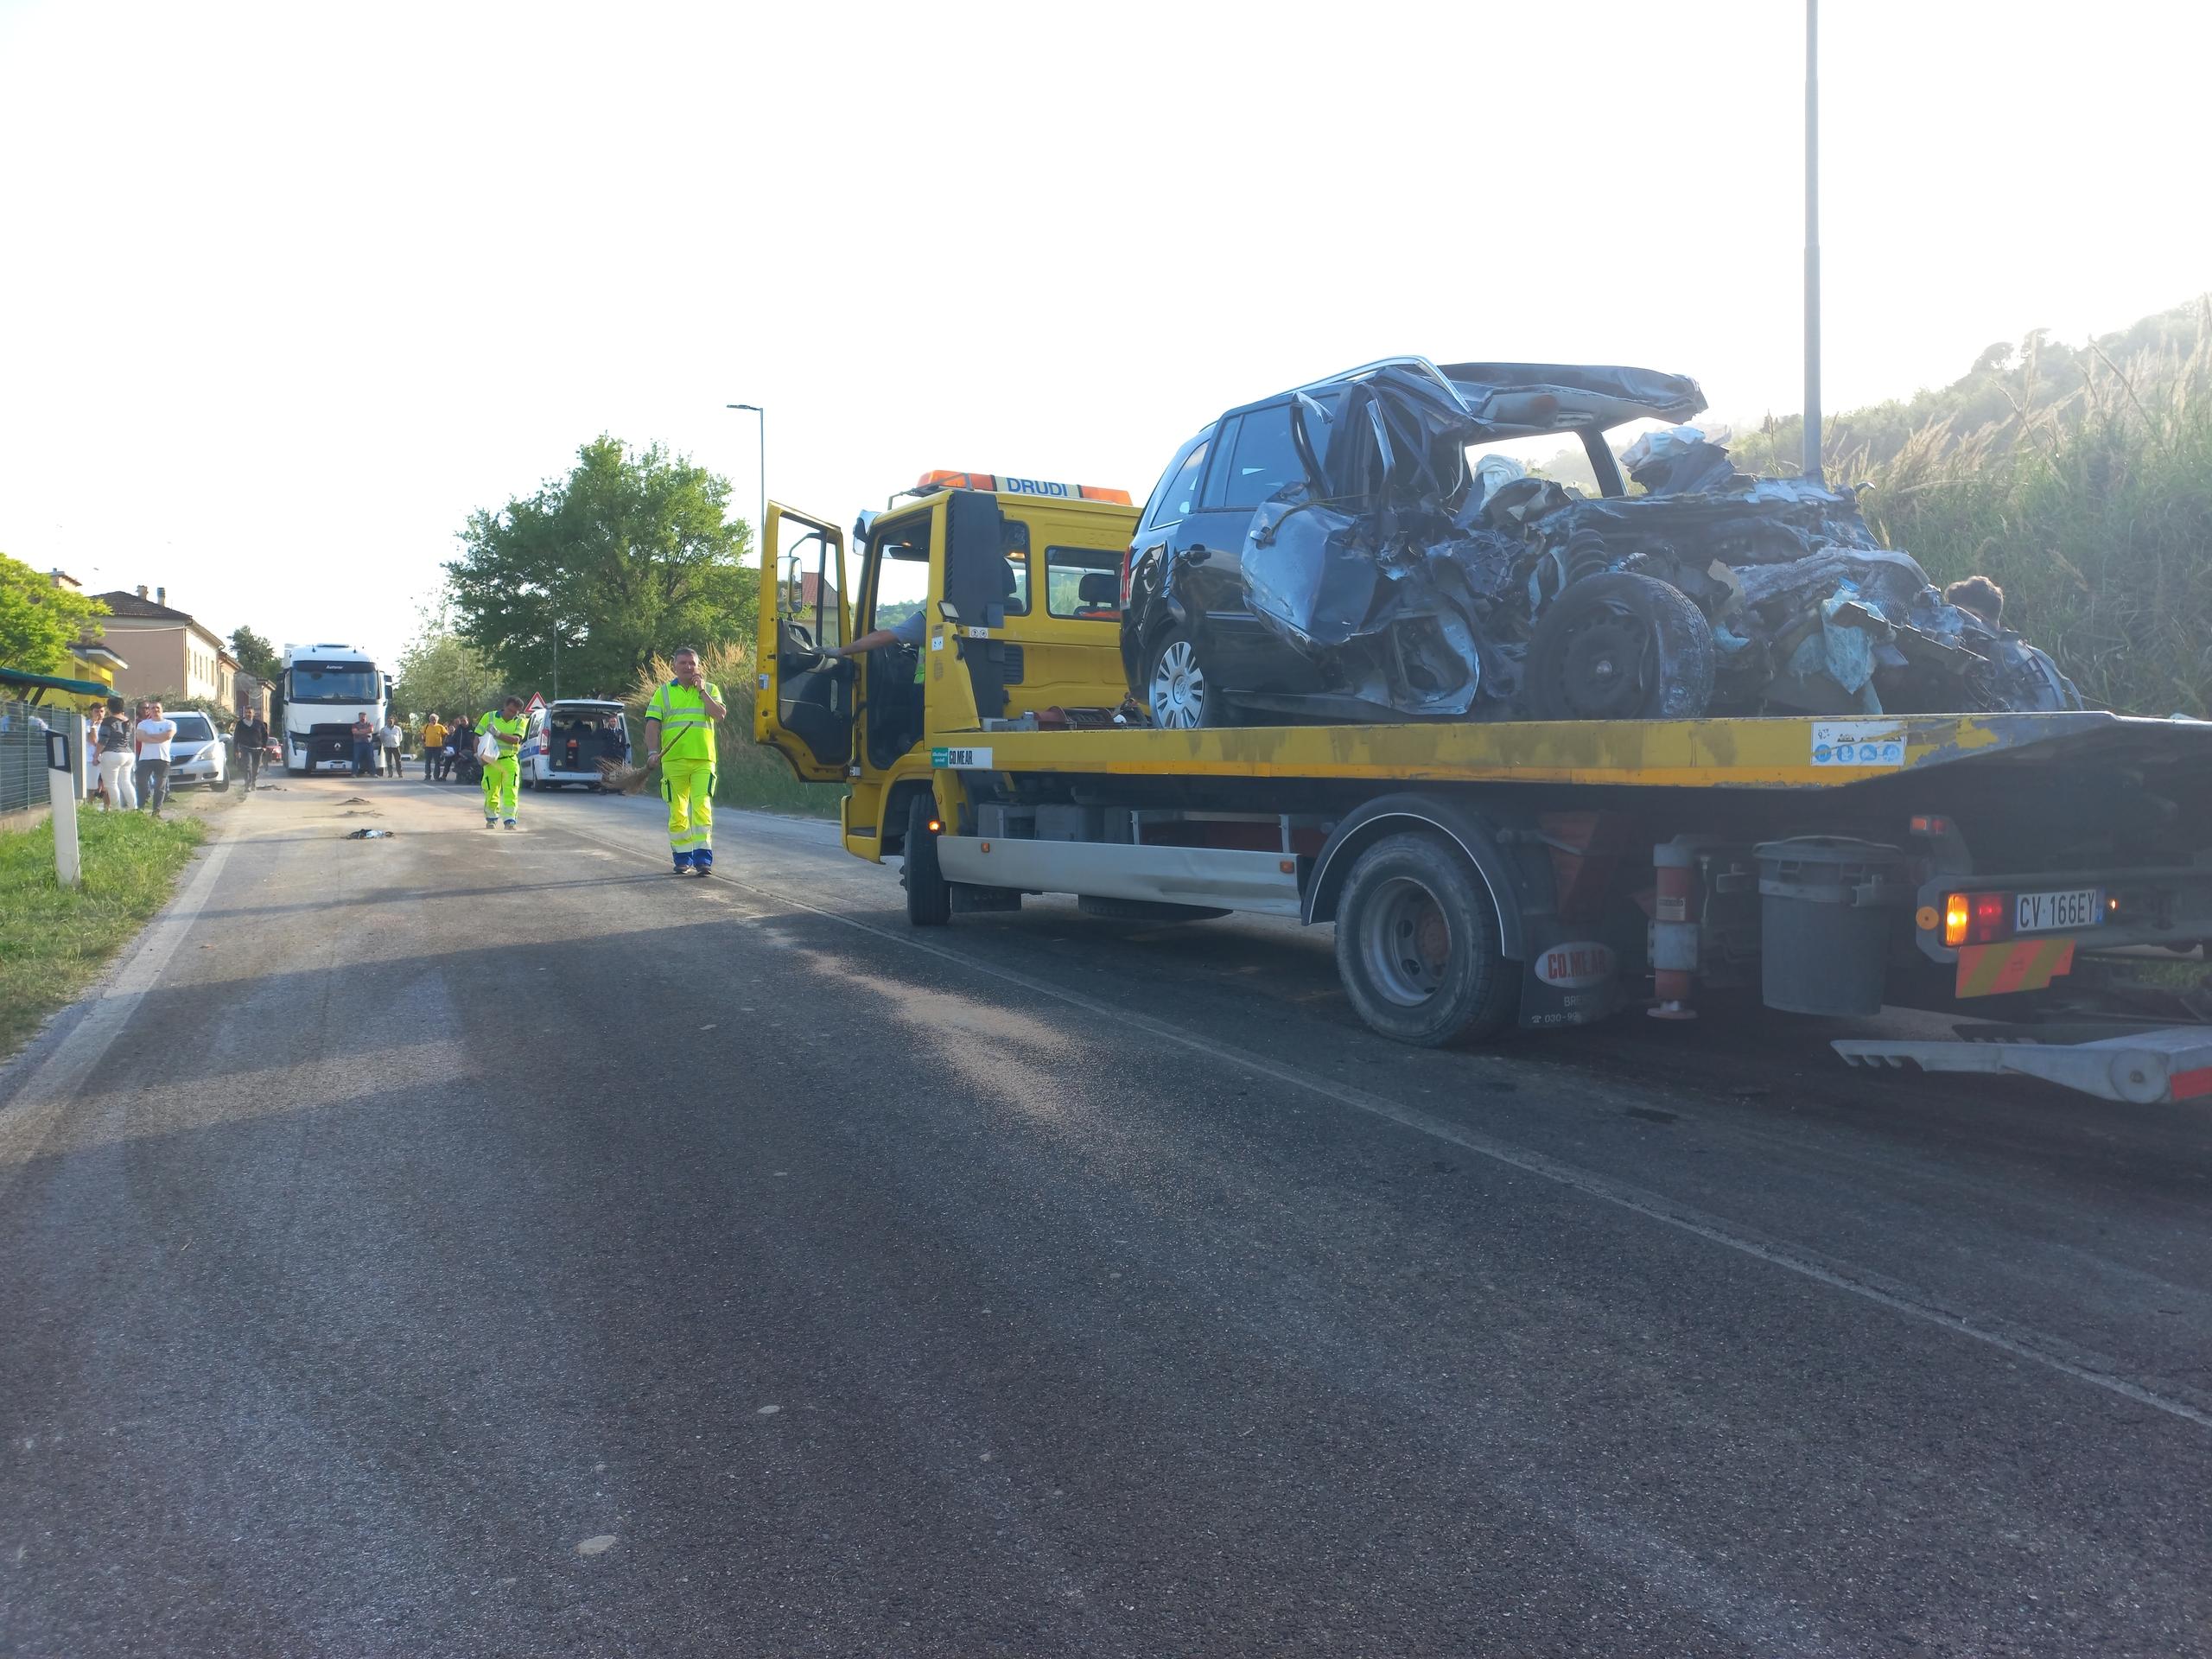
[334,682]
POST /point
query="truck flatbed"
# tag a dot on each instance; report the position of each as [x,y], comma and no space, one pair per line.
[1781,753]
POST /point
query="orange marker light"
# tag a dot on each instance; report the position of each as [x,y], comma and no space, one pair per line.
[1954,919]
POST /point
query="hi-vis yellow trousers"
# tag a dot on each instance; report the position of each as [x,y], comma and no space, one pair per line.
[688,786]
[500,777]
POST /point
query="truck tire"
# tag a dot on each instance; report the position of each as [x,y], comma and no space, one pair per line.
[1417,946]
[1620,646]
[1144,910]
[929,895]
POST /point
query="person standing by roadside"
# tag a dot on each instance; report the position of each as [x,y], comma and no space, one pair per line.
[434,746]
[461,743]
[365,739]
[250,745]
[153,738]
[502,776]
[117,794]
[389,738]
[680,734]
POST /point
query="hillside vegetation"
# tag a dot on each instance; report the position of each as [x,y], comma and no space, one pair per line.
[2079,478]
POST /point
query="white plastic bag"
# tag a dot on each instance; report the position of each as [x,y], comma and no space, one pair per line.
[487,748]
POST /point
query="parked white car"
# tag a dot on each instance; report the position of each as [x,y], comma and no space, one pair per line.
[198,753]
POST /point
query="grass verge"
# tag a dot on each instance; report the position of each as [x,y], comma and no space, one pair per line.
[52,940]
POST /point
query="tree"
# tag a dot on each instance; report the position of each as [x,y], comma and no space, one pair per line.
[39,621]
[441,671]
[255,654]
[628,556]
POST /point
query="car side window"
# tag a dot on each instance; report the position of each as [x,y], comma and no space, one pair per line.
[1178,492]
[1258,461]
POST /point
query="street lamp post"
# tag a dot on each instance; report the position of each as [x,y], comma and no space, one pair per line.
[759,524]
[1812,467]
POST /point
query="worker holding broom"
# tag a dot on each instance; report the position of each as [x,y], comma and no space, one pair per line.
[680,734]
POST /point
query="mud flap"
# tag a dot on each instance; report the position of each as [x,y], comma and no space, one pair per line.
[1567,980]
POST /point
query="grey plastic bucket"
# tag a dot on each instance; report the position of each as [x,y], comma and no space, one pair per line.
[1827,905]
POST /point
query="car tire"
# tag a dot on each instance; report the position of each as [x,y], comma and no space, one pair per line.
[929,895]
[220,785]
[1417,946]
[1620,646]
[1177,692]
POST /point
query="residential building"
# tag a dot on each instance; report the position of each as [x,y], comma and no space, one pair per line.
[169,651]
[89,660]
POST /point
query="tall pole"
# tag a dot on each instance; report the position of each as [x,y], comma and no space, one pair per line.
[759,524]
[1812,467]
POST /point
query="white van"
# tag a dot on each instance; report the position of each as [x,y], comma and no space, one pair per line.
[566,741]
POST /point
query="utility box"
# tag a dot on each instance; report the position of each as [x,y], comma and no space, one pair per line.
[1824,922]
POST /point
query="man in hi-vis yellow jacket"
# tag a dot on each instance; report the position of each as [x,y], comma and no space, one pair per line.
[680,734]
[508,726]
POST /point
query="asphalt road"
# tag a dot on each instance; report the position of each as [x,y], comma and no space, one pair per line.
[468,1243]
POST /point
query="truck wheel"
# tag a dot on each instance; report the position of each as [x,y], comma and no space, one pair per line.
[1620,646]
[929,895]
[1176,689]
[1417,946]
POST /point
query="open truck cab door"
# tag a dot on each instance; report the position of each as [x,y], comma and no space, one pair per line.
[803,702]
[1016,581]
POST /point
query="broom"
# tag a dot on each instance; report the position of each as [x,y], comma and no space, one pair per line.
[622,777]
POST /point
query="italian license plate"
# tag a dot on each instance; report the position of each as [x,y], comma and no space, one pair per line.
[2056,912]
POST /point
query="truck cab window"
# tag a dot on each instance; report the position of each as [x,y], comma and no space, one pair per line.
[1084,582]
[1013,542]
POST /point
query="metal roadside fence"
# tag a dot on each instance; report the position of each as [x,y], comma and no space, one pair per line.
[22,756]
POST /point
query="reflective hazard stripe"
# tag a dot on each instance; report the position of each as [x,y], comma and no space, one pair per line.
[2021,965]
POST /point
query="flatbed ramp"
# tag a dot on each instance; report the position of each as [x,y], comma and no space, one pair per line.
[2138,1068]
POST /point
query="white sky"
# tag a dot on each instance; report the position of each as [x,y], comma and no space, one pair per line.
[287,290]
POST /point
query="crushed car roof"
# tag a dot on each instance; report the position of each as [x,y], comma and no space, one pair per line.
[1496,401]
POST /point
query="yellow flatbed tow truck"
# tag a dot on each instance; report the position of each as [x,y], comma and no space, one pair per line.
[1482,875]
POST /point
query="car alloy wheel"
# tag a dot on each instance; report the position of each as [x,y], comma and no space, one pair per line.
[1179,687]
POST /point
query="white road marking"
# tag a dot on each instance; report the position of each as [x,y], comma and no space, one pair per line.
[2020,1342]
[596,1546]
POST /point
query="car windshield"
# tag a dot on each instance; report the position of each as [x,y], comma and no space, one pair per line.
[355,682]
[193,728]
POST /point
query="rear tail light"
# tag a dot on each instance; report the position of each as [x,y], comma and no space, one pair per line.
[1976,918]
[1128,557]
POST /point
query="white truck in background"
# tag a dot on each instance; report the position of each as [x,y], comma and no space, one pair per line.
[326,689]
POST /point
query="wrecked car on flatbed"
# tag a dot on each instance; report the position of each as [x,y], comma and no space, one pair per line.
[1334,554]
